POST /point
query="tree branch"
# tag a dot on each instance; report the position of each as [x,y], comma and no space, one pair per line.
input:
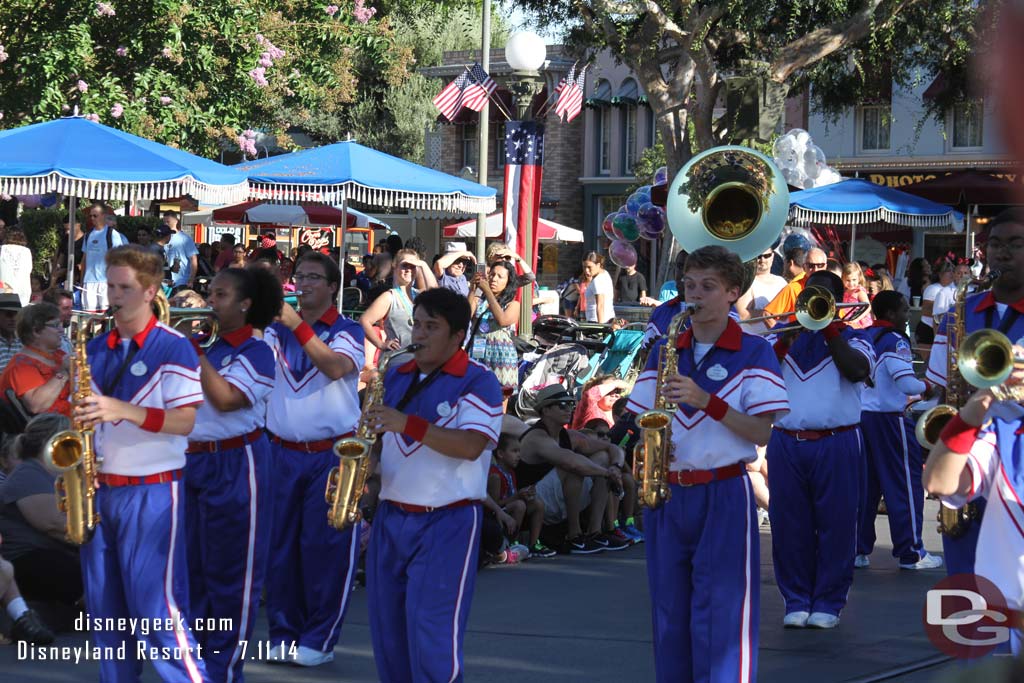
[822,42]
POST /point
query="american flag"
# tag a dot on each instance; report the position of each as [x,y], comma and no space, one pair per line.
[449,101]
[524,161]
[479,90]
[570,94]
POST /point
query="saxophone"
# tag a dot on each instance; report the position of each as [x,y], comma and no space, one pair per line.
[652,454]
[346,482]
[954,522]
[71,452]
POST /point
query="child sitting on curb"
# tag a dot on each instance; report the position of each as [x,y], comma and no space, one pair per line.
[502,489]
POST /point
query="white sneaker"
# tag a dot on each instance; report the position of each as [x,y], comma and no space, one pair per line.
[796,619]
[762,517]
[822,620]
[861,561]
[929,561]
[307,656]
[279,655]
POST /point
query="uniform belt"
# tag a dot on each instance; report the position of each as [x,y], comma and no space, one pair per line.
[308,446]
[224,444]
[407,507]
[815,434]
[696,477]
[128,480]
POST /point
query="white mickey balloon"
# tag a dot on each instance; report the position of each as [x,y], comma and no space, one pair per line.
[812,170]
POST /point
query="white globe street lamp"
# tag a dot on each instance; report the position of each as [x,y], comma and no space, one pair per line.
[525,51]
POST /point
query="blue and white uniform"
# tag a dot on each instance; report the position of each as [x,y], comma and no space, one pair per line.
[997,473]
[893,454]
[816,466]
[703,557]
[980,311]
[94,280]
[422,560]
[136,565]
[227,487]
[311,569]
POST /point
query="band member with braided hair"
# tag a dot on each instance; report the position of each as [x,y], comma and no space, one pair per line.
[703,560]
[144,398]
[227,478]
[816,461]
[440,416]
[314,402]
[999,308]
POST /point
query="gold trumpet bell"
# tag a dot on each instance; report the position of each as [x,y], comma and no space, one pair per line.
[733,197]
[985,358]
[930,425]
[815,308]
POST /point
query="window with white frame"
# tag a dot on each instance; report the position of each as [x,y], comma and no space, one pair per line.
[604,141]
[967,124]
[874,127]
[470,157]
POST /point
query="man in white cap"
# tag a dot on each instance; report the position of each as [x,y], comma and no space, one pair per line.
[452,266]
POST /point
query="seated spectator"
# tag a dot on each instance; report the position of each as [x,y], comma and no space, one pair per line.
[572,472]
[451,268]
[514,503]
[598,397]
[46,565]
[10,306]
[38,372]
[28,627]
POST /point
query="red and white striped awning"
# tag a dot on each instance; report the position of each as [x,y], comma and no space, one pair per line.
[547,231]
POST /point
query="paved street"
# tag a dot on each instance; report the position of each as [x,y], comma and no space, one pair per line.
[586,619]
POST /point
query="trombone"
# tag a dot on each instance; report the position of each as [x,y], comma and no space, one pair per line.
[815,309]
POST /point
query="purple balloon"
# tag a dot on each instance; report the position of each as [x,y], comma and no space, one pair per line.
[622,254]
[636,200]
[651,219]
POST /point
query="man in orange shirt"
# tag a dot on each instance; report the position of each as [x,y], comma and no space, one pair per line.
[801,264]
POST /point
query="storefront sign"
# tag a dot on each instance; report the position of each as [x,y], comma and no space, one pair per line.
[317,238]
[901,179]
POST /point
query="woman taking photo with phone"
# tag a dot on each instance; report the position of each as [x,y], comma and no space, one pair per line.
[495,314]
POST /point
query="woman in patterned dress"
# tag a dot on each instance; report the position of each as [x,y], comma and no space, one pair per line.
[495,315]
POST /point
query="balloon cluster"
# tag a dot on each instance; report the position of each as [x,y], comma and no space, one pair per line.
[637,219]
[802,162]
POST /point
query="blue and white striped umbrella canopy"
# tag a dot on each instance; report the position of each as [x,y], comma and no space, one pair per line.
[79,158]
[859,202]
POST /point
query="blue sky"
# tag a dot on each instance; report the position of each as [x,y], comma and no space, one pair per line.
[521,20]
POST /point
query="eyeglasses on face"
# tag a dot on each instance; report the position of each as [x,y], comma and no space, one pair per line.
[55,325]
[566,405]
[816,266]
[308,277]
[762,257]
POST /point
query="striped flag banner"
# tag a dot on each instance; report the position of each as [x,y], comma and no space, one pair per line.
[524,161]
[479,90]
[570,98]
[451,99]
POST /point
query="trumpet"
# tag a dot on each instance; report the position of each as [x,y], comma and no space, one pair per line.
[815,309]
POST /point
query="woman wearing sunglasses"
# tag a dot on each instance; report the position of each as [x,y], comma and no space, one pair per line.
[393,308]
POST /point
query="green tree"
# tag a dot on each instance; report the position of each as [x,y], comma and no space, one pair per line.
[683,51]
[393,111]
[190,73]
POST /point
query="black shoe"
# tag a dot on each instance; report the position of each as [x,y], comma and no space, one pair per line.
[31,629]
[583,545]
[611,541]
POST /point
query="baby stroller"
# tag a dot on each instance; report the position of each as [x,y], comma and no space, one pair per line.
[621,356]
[561,364]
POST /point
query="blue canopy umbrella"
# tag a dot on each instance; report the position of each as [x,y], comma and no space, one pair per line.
[856,202]
[79,158]
[347,171]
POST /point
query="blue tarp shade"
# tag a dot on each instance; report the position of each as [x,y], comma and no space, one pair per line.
[79,158]
[602,95]
[628,93]
[349,171]
[858,202]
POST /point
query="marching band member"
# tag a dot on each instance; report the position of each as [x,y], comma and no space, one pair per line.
[978,454]
[227,478]
[999,308]
[441,412]
[893,454]
[144,396]
[816,463]
[703,553]
[314,402]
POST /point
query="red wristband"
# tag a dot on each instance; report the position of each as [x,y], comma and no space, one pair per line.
[959,436]
[197,347]
[717,408]
[304,333]
[154,421]
[833,330]
[415,427]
